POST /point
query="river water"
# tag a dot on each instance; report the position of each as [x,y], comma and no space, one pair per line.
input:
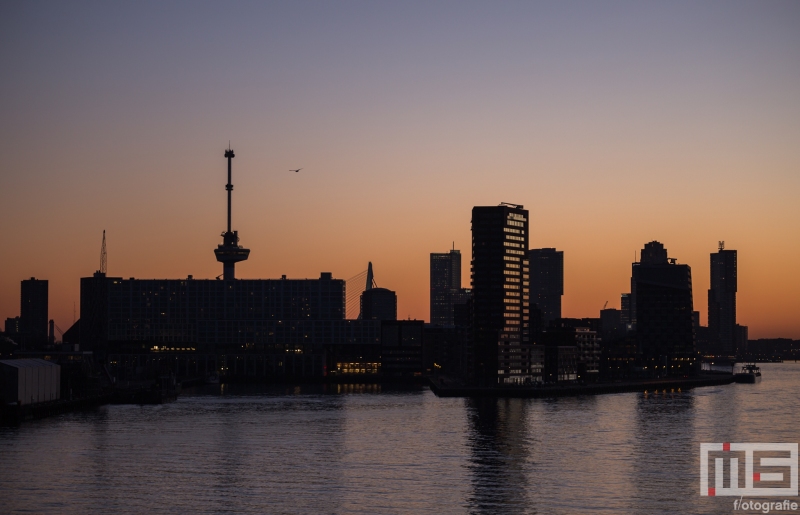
[366,449]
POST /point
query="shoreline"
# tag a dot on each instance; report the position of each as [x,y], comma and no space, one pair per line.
[441,389]
[13,414]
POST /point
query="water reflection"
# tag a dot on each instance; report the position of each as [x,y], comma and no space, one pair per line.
[498,437]
[664,423]
[313,450]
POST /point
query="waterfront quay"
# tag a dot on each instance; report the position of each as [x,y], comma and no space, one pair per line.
[444,387]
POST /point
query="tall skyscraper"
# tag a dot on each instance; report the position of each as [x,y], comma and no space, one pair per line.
[33,311]
[662,290]
[722,301]
[547,282]
[500,291]
[652,253]
[445,286]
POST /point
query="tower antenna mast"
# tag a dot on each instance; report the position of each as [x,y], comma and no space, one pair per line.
[103,256]
[230,252]
[229,186]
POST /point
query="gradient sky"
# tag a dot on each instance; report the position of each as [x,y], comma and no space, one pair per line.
[614,123]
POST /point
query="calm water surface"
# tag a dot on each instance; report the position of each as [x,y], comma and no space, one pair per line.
[304,450]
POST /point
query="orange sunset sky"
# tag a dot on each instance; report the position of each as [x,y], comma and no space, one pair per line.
[614,123]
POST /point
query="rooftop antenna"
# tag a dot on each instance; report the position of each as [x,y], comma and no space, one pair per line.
[722,245]
[103,257]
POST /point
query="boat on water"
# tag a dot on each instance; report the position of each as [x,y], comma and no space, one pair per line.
[750,373]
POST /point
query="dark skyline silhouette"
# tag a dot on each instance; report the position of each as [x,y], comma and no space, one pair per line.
[687,137]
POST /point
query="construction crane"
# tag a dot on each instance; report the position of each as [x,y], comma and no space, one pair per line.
[604,305]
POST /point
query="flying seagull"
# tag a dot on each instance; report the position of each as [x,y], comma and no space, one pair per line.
[295,171]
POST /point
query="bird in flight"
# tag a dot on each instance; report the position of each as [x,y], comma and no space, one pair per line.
[295,171]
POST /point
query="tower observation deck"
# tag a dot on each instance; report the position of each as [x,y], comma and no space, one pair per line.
[230,252]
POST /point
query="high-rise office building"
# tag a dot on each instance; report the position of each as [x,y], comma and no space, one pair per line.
[611,325]
[652,253]
[460,297]
[445,285]
[572,350]
[625,309]
[378,304]
[722,301]
[402,347]
[33,312]
[662,290]
[500,294]
[740,339]
[547,282]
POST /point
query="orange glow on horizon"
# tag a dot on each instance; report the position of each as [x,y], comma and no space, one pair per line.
[402,117]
